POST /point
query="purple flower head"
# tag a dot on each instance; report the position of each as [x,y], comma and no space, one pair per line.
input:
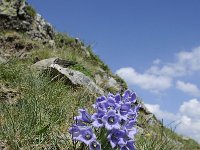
[130,124]
[94,145]
[115,137]
[74,131]
[133,97]
[84,116]
[129,96]
[126,94]
[125,108]
[130,145]
[86,135]
[132,115]
[99,105]
[100,99]
[110,104]
[118,98]
[131,132]
[97,119]
[111,120]
[115,113]
[110,95]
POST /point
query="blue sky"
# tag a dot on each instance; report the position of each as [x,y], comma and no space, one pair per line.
[153,45]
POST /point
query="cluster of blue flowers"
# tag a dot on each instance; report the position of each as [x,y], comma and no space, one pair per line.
[115,113]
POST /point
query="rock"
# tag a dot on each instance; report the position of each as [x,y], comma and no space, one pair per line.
[52,43]
[3,145]
[7,8]
[41,29]
[8,95]
[98,79]
[18,15]
[86,52]
[112,83]
[106,81]
[2,60]
[64,63]
[78,78]
[44,64]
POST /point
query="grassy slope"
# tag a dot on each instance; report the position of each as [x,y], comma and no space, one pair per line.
[44,111]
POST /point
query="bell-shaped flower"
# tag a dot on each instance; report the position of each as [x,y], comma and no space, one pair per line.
[74,131]
[110,104]
[118,98]
[126,94]
[97,119]
[130,145]
[125,108]
[115,137]
[131,133]
[86,135]
[84,116]
[133,97]
[94,145]
[111,120]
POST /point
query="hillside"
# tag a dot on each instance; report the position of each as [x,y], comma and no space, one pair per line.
[45,76]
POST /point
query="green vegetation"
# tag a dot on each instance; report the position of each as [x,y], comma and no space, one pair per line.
[45,108]
[63,40]
[82,69]
[41,116]
[30,11]
[8,1]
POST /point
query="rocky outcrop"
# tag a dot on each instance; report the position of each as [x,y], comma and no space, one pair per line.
[107,81]
[44,64]
[18,15]
[78,78]
[75,77]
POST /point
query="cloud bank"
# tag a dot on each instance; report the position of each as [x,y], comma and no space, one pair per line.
[159,77]
[189,88]
[145,81]
[188,115]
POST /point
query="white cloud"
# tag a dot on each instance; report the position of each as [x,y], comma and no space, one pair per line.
[155,109]
[188,116]
[191,108]
[189,88]
[146,81]
[159,77]
[185,62]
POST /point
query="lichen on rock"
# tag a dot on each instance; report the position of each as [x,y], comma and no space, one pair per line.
[20,16]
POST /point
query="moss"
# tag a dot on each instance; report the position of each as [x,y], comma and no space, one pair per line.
[30,11]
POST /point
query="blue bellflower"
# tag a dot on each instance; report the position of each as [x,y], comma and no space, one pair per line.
[111,120]
[86,135]
[115,113]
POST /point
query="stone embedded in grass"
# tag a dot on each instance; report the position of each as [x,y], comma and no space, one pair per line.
[2,60]
[8,95]
[78,78]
